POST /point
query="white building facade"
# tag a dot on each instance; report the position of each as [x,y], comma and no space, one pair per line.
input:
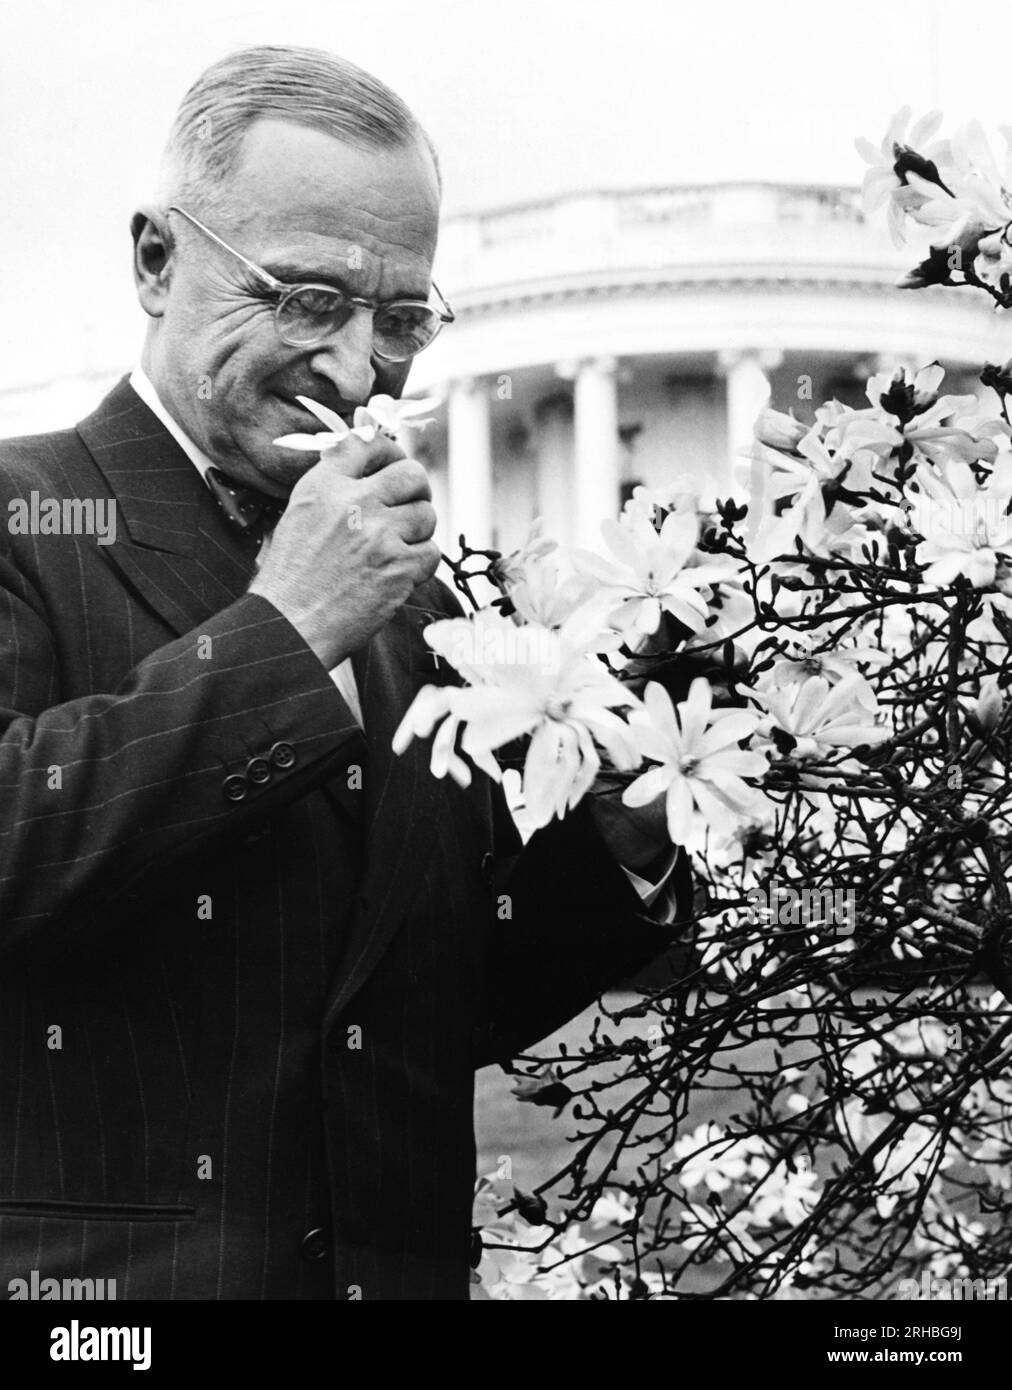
[613,338]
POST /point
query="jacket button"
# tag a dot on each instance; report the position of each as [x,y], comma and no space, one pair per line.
[488,868]
[234,787]
[258,770]
[282,755]
[314,1244]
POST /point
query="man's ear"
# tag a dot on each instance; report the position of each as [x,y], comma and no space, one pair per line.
[153,246]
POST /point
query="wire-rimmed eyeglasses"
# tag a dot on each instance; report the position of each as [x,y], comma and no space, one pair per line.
[307,314]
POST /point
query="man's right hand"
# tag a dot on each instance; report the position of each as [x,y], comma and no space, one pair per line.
[349,549]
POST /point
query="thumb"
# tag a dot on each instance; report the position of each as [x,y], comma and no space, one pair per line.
[348,457]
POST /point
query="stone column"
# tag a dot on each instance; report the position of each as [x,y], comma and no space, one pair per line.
[747,392]
[596,448]
[469,463]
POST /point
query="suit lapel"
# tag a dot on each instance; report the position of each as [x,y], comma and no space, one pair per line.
[178,552]
[187,564]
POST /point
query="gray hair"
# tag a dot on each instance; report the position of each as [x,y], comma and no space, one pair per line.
[306,86]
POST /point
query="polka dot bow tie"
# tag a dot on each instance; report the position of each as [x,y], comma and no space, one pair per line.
[245,508]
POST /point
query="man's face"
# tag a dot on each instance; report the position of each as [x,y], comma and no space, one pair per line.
[307,208]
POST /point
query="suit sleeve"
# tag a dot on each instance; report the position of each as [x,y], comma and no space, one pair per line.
[101,792]
[577,925]
[577,928]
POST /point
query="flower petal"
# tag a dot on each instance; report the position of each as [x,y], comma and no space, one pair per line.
[329,417]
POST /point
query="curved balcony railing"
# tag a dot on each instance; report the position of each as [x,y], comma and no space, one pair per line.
[690,230]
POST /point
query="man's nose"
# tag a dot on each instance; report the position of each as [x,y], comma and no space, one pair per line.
[345,358]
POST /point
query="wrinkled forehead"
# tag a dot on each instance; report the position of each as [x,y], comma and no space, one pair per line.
[298,195]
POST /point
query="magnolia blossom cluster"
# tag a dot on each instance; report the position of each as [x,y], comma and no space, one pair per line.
[914,464]
[956,192]
[735,1199]
[589,618]
[918,481]
[524,1259]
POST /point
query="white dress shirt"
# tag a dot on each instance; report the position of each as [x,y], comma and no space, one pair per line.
[342,675]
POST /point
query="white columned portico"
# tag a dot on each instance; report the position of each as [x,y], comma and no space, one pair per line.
[469,463]
[595,447]
[747,392]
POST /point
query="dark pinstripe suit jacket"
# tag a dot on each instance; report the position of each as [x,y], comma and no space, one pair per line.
[241,1001]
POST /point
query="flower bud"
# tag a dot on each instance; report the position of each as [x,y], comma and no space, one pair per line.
[779,431]
[989,704]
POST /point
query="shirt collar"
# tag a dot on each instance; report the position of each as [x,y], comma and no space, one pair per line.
[141,383]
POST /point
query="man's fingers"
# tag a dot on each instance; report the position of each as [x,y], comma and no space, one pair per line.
[354,458]
[425,557]
[415,521]
[379,454]
[403,481]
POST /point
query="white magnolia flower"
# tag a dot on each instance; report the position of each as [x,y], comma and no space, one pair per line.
[564,1277]
[943,426]
[491,1194]
[989,703]
[965,526]
[536,546]
[700,766]
[651,574]
[712,1158]
[919,1037]
[684,492]
[785,1196]
[954,220]
[612,1208]
[525,682]
[511,1275]
[806,520]
[976,200]
[802,476]
[901,1166]
[993,263]
[834,665]
[863,1059]
[909,413]
[821,718]
[779,431]
[997,1154]
[881,182]
[543,594]
[732,616]
[810,461]
[963,202]
[395,416]
[970,154]
[381,413]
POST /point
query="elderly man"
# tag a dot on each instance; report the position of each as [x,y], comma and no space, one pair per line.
[250,958]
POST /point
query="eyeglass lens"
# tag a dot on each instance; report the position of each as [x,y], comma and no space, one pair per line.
[312,313]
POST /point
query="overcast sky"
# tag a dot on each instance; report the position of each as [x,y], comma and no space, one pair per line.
[524,99]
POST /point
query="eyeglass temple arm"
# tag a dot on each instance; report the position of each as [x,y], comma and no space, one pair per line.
[257,270]
[448,316]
